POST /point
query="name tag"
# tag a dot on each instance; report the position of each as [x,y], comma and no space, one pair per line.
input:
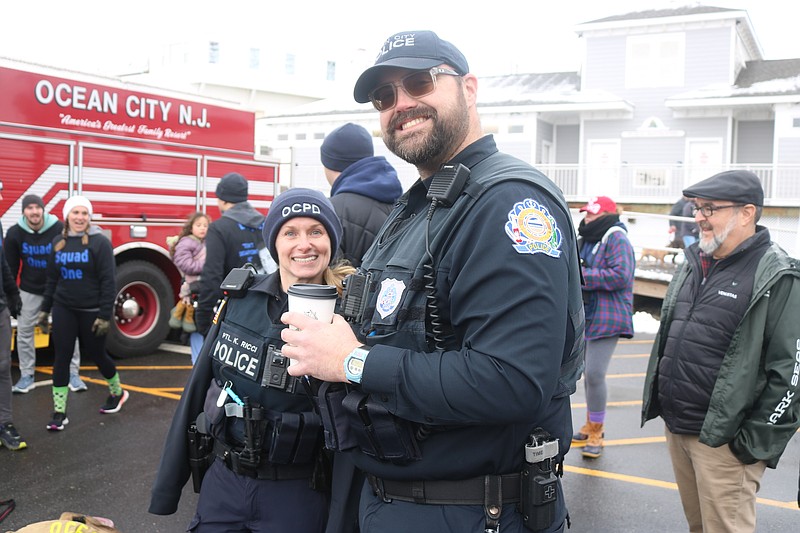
[240,350]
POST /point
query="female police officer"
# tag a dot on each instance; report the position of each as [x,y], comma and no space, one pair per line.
[267,439]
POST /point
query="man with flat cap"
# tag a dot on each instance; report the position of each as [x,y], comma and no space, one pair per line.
[723,370]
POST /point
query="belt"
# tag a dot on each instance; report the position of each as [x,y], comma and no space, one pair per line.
[266,470]
[445,492]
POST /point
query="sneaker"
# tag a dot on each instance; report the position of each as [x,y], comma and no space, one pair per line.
[10,438]
[58,422]
[24,385]
[114,403]
[76,384]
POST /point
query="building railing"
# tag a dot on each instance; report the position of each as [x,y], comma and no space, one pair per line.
[628,183]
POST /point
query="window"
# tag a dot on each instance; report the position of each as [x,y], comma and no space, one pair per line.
[213,52]
[516,128]
[289,65]
[265,150]
[283,136]
[650,177]
[300,136]
[796,122]
[655,60]
[319,136]
[255,58]
[331,71]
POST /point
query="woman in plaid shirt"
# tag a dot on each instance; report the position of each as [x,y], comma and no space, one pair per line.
[608,268]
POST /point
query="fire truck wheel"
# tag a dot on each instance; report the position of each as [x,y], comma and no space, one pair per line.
[140,310]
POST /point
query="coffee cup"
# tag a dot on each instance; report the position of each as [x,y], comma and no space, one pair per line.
[315,301]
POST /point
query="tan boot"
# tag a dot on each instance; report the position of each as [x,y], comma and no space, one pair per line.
[176,315]
[594,443]
[188,320]
[579,438]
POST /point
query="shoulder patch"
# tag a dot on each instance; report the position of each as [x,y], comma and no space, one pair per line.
[533,230]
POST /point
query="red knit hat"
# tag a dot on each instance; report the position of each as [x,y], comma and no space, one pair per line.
[600,204]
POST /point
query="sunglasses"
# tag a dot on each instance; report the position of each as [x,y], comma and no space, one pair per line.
[416,85]
[708,209]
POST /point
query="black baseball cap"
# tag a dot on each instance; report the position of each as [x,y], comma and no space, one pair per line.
[414,50]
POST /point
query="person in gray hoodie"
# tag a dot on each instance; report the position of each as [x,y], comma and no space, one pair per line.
[364,187]
[28,245]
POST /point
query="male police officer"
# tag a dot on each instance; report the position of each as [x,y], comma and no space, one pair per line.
[472,336]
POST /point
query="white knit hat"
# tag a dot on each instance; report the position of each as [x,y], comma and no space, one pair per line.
[75,201]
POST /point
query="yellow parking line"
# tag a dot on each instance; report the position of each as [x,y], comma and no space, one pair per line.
[633,341]
[631,356]
[660,484]
[625,442]
[153,391]
[631,375]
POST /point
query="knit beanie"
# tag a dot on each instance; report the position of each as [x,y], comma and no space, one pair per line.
[301,203]
[29,199]
[232,188]
[345,145]
[75,201]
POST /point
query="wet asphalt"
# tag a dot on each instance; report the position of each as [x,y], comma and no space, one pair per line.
[105,464]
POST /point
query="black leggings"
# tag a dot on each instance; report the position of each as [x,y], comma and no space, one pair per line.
[69,324]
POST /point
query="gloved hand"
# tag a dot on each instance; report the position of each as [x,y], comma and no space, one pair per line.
[43,321]
[14,305]
[100,327]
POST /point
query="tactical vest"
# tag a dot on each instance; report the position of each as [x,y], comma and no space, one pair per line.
[397,265]
[240,356]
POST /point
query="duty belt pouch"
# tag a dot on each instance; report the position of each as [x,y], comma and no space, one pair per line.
[201,447]
[379,433]
[335,422]
[294,438]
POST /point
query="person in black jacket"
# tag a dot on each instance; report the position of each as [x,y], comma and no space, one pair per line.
[80,293]
[471,339]
[10,304]
[232,240]
[28,248]
[364,187]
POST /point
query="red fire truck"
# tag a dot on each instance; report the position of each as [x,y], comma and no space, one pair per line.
[146,158]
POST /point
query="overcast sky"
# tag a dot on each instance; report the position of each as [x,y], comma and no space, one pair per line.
[496,36]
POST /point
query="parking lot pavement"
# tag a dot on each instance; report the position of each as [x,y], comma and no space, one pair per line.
[631,487]
[105,464]
[101,465]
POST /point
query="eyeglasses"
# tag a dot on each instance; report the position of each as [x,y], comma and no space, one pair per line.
[416,85]
[708,210]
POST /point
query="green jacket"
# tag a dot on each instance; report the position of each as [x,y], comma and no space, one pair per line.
[754,406]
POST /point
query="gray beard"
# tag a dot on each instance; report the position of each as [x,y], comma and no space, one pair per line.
[710,246]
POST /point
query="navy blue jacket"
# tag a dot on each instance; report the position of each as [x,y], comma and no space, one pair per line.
[363,196]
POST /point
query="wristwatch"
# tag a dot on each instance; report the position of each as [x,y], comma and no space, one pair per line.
[354,363]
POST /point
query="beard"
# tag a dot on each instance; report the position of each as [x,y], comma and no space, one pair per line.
[430,149]
[710,245]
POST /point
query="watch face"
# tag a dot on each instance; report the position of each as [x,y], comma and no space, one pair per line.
[355,366]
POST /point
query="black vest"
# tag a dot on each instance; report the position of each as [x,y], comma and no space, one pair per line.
[401,257]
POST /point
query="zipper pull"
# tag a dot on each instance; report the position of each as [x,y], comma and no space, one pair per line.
[232,394]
